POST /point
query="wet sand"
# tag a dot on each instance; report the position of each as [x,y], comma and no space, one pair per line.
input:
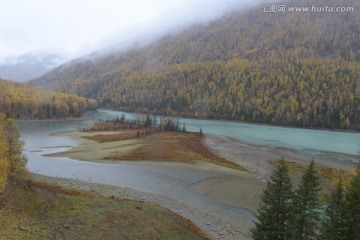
[255,158]
[90,150]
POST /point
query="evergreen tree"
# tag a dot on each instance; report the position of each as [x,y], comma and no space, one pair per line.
[333,223]
[122,119]
[276,210]
[148,121]
[352,208]
[307,206]
[177,128]
[154,122]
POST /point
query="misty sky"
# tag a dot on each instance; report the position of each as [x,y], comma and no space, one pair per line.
[73,28]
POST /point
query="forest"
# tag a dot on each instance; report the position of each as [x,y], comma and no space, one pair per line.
[297,69]
[24,101]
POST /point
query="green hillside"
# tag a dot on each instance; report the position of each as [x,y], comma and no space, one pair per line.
[298,69]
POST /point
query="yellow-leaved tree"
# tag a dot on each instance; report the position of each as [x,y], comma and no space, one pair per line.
[344,176]
[4,163]
[13,146]
[11,159]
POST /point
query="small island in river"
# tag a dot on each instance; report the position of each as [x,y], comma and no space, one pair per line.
[142,145]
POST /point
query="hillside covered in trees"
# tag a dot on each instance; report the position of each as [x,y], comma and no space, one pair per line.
[24,101]
[299,69]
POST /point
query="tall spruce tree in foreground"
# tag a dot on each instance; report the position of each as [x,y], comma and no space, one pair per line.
[352,209]
[333,222]
[276,211]
[307,207]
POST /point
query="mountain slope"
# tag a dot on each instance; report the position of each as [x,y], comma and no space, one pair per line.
[284,68]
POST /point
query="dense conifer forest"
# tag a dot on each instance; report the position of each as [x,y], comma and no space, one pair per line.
[297,69]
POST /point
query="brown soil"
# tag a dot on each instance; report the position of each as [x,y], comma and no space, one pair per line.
[129,134]
[174,146]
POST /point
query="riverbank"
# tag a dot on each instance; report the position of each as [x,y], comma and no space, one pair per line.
[258,159]
[242,191]
[85,116]
[235,189]
[214,226]
[261,160]
[47,211]
[231,120]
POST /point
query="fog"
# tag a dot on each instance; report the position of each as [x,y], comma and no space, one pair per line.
[72,28]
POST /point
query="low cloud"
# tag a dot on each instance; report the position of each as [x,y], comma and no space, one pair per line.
[73,28]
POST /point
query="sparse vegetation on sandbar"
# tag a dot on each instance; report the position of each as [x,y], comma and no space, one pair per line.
[141,141]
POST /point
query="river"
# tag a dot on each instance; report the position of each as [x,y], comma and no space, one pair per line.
[285,137]
[183,182]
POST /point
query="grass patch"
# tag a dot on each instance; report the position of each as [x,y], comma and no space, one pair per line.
[175,146]
[297,168]
[124,135]
[48,212]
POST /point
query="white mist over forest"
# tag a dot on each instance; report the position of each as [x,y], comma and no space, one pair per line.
[74,28]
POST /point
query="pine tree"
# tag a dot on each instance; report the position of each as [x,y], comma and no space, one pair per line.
[276,210]
[154,122]
[333,223]
[177,128]
[148,121]
[307,206]
[352,208]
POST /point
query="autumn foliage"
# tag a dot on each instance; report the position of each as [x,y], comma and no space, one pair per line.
[27,102]
[297,69]
[11,159]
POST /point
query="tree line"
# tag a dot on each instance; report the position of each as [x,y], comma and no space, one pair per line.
[149,123]
[288,213]
[23,101]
